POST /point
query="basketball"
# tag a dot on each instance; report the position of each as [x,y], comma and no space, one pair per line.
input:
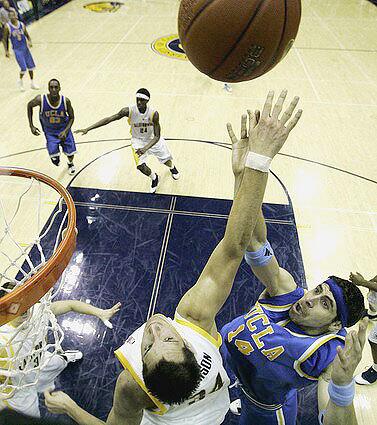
[234,41]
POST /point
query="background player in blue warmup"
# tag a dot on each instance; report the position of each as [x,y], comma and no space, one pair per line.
[21,41]
[56,116]
[290,337]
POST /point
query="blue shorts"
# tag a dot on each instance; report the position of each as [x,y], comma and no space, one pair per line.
[53,143]
[251,414]
[24,59]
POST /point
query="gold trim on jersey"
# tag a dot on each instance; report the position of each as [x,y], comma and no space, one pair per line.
[162,409]
[272,307]
[136,156]
[216,342]
[280,417]
[310,351]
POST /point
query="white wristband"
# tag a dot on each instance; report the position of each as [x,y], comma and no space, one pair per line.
[258,162]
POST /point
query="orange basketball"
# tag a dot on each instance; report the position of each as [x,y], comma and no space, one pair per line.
[237,40]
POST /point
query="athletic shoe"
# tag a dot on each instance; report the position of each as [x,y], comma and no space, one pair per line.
[372,317]
[154,184]
[72,356]
[227,88]
[174,173]
[34,86]
[20,84]
[367,378]
[71,169]
[235,407]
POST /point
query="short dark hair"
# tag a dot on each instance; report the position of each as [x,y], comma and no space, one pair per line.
[4,286]
[53,79]
[143,91]
[353,298]
[172,382]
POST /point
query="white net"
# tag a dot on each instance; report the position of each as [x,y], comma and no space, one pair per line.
[32,218]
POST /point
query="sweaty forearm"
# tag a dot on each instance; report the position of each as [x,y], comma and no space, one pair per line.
[84,308]
[81,416]
[98,124]
[245,209]
[337,415]
[30,115]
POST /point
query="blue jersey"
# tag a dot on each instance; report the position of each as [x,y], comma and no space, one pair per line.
[17,36]
[53,119]
[270,355]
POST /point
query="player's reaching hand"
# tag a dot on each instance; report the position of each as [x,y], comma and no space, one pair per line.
[106,315]
[58,402]
[347,359]
[357,278]
[271,132]
[35,130]
[240,147]
[82,131]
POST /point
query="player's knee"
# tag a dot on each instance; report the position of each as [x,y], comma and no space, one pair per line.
[261,257]
[55,160]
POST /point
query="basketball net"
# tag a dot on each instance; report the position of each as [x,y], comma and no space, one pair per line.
[28,342]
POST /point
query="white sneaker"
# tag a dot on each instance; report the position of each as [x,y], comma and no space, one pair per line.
[34,86]
[20,84]
[72,355]
[227,88]
[235,407]
[154,184]
[71,169]
[174,173]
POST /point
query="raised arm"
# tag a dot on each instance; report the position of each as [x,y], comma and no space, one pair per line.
[119,115]
[128,405]
[62,307]
[252,155]
[359,280]
[340,409]
[37,101]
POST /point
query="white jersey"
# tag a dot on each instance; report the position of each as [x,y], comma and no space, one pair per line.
[209,404]
[141,124]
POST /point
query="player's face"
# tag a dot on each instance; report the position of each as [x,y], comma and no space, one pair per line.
[316,309]
[6,4]
[160,341]
[54,88]
[141,104]
[12,16]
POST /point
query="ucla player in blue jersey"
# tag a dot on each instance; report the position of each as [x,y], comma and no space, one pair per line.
[21,41]
[289,338]
[56,116]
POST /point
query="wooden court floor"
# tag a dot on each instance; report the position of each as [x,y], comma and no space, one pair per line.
[328,167]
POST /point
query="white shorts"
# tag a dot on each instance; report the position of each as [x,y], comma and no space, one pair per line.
[160,150]
[26,400]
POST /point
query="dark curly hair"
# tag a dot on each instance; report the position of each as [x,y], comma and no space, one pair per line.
[353,298]
[172,382]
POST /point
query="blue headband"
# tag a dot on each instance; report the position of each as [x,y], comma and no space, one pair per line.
[341,305]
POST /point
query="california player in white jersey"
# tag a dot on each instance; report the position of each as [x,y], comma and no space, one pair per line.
[14,338]
[173,373]
[146,136]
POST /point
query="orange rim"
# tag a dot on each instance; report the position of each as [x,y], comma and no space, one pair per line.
[26,295]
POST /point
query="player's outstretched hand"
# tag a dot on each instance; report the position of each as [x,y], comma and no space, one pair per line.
[35,130]
[357,278]
[58,401]
[106,315]
[240,147]
[349,357]
[83,131]
[271,132]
